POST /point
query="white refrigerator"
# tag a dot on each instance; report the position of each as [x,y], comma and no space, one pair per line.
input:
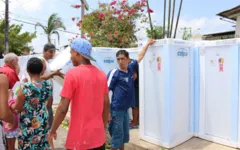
[217,91]
[166,93]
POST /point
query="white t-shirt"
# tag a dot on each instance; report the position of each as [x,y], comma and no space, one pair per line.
[48,70]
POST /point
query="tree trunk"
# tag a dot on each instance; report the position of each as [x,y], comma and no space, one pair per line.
[49,38]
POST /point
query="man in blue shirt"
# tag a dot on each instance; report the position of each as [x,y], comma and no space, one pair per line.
[121,83]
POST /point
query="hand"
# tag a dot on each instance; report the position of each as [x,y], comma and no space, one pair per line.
[10,94]
[10,126]
[49,102]
[25,80]
[51,136]
[151,41]
[58,73]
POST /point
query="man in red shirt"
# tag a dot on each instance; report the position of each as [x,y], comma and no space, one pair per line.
[86,88]
[9,68]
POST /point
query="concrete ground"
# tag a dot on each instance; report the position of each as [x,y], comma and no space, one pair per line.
[137,144]
[192,144]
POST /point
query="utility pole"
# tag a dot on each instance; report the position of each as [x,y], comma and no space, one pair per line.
[179,11]
[173,13]
[164,18]
[150,21]
[169,18]
[84,6]
[6,42]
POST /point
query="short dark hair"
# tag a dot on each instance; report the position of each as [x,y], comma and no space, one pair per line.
[35,66]
[122,52]
[49,46]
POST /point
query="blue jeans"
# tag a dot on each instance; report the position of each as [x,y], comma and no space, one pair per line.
[119,128]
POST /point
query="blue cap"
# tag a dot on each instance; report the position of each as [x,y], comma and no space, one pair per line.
[83,47]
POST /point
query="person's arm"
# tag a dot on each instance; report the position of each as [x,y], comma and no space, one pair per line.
[17,107]
[106,106]
[144,50]
[5,113]
[52,74]
[67,94]
[61,113]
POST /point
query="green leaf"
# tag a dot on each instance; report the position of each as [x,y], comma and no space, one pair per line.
[18,41]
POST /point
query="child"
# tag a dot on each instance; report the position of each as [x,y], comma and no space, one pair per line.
[30,102]
[12,131]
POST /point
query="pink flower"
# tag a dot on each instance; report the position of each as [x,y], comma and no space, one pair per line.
[120,16]
[84,37]
[119,12]
[138,2]
[110,38]
[100,16]
[124,1]
[115,34]
[91,34]
[132,11]
[73,19]
[150,10]
[113,3]
[142,10]
[77,6]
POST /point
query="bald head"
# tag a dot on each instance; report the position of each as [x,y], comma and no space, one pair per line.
[11,59]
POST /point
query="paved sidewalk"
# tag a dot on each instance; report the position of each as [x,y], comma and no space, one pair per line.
[137,144]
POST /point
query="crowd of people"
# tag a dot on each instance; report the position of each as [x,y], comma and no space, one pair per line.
[28,116]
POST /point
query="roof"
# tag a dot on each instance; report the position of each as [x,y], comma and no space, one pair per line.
[231,13]
[219,36]
[220,33]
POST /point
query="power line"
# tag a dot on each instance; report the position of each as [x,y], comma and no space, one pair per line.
[28,17]
[24,3]
[6,41]
[35,24]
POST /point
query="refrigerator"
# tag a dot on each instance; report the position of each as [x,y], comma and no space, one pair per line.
[217,91]
[166,93]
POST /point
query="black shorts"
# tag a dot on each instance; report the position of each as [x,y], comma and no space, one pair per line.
[99,148]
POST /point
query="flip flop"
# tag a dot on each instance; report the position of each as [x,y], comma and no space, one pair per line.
[133,127]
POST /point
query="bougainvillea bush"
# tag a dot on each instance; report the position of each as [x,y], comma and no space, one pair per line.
[113,24]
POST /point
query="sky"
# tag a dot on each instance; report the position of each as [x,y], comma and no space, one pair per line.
[200,15]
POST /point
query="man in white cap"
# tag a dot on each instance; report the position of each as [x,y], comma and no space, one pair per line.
[85,86]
